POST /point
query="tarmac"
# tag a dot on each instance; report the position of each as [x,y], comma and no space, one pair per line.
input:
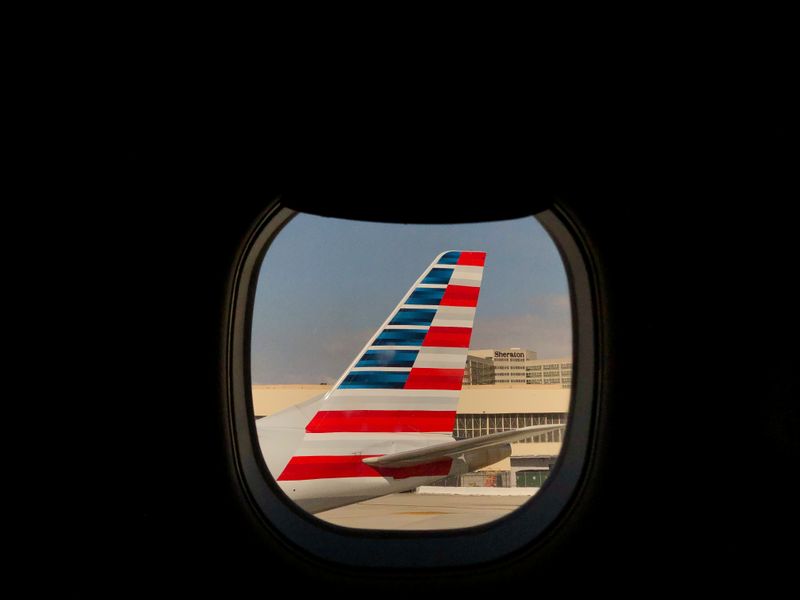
[417,511]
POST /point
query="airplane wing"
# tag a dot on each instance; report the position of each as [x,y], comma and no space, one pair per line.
[475,450]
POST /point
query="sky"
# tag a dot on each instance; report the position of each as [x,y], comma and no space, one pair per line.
[326,285]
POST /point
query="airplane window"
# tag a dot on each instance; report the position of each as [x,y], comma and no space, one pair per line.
[391,369]
[396,392]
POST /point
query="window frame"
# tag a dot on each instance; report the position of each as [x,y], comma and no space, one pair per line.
[277,514]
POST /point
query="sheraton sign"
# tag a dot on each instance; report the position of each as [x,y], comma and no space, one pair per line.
[499,354]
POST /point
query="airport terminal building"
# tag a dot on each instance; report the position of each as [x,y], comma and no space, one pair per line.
[483,409]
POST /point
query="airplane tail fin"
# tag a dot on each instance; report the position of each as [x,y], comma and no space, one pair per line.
[408,376]
[401,391]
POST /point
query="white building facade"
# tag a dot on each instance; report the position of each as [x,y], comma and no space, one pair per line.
[516,366]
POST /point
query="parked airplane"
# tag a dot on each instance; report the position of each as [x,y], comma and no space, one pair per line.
[386,425]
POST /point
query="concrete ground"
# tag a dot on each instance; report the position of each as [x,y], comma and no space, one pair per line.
[423,511]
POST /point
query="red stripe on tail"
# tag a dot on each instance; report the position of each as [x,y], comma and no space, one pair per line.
[434,379]
[460,295]
[424,421]
[448,337]
[475,259]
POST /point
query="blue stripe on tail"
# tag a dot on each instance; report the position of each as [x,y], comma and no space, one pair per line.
[374,380]
[451,258]
[440,276]
[388,358]
[400,337]
[414,316]
[426,296]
